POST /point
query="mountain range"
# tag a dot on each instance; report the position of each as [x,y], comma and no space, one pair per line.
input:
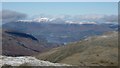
[73,44]
[59,33]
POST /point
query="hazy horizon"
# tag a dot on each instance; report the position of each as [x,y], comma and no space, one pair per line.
[62,8]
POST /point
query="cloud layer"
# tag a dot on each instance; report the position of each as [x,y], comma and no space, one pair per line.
[10,16]
[99,18]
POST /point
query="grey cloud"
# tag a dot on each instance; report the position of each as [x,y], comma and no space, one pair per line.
[98,18]
[10,16]
[111,18]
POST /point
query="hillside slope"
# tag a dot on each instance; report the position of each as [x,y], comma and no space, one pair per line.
[93,51]
[18,44]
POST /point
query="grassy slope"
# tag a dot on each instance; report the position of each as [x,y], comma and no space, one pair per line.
[98,50]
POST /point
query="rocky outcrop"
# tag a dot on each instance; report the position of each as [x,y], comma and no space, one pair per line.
[26,61]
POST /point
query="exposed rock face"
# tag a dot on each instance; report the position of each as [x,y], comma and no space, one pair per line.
[26,61]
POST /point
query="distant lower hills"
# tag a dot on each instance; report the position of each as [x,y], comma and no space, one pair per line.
[92,51]
[19,44]
[60,33]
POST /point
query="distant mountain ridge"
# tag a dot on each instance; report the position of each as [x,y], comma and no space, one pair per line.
[60,33]
[39,37]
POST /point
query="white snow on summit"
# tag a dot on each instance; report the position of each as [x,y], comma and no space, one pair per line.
[41,19]
[77,22]
[28,21]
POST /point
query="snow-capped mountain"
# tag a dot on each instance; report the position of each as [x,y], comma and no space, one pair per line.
[41,19]
[80,19]
[28,21]
[55,20]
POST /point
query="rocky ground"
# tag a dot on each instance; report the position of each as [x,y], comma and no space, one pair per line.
[26,61]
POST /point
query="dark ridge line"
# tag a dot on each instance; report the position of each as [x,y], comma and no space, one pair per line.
[22,35]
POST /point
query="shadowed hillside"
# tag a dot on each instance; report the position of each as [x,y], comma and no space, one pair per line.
[22,35]
[18,44]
